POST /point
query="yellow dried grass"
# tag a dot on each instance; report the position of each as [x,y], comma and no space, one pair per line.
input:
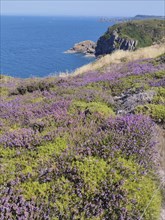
[121,56]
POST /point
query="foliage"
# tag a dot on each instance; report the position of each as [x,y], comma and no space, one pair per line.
[65,154]
[157,112]
[93,107]
[160,97]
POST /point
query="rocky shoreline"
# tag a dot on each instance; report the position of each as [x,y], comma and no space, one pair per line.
[85,47]
[123,37]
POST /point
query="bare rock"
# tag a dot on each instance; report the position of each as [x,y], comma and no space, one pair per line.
[85,47]
[139,99]
[112,42]
[128,102]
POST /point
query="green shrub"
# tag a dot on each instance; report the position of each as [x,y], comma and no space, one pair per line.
[157,112]
[65,198]
[140,190]
[131,82]
[98,107]
[3,91]
[50,148]
[33,190]
[160,74]
[159,98]
[37,100]
[92,170]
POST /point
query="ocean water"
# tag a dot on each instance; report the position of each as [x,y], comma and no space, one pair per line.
[34,46]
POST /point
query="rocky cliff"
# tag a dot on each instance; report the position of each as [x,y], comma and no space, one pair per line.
[108,44]
[130,35]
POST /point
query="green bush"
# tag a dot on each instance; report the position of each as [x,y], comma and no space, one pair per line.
[50,148]
[3,91]
[98,107]
[92,170]
[140,190]
[160,74]
[33,190]
[157,112]
[159,98]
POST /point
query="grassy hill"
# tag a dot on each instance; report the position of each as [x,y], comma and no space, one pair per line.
[145,31]
[130,36]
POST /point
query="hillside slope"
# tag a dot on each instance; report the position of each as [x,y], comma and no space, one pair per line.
[83,147]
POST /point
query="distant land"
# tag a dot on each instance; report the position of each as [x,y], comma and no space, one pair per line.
[149,17]
[126,19]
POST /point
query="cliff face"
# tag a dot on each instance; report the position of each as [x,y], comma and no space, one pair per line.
[106,45]
[130,35]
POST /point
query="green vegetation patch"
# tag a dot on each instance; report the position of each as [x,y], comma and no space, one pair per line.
[50,148]
[145,31]
[140,190]
[92,170]
[65,198]
[18,162]
[159,98]
[37,100]
[131,82]
[33,190]
[4,91]
[157,112]
[160,74]
[98,107]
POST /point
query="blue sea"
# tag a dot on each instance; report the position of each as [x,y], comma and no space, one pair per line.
[35,46]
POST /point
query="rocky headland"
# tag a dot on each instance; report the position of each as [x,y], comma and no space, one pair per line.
[123,36]
[130,36]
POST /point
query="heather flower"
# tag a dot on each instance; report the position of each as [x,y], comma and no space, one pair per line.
[24,137]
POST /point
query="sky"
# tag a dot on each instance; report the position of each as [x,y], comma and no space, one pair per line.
[83,8]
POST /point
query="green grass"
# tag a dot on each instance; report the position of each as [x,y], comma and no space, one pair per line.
[160,74]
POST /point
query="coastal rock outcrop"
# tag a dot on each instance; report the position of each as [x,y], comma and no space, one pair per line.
[85,47]
[130,36]
[123,36]
[109,43]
